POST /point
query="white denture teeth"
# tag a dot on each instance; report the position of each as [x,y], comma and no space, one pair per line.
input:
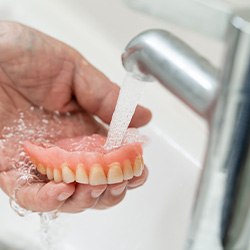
[49,173]
[41,169]
[138,166]
[81,175]
[57,175]
[97,175]
[68,175]
[127,170]
[115,174]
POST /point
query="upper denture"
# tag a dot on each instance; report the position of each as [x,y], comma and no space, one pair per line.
[69,161]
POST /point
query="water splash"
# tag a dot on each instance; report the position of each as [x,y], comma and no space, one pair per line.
[129,96]
[40,126]
[47,221]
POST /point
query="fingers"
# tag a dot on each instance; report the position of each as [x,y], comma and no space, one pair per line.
[98,197]
[85,197]
[70,198]
[37,197]
[102,196]
[113,195]
[98,95]
[44,197]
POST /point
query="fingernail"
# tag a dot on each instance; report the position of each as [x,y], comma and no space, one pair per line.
[63,196]
[96,193]
[117,191]
[136,183]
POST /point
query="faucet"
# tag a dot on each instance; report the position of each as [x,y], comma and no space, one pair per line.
[221,210]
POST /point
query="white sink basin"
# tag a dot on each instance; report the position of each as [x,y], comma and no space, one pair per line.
[155,216]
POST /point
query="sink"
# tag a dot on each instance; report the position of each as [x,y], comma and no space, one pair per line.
[155,216]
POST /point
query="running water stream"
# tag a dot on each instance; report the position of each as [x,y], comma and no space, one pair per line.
[129,96]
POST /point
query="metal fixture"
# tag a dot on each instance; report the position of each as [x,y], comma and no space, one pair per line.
[221,214]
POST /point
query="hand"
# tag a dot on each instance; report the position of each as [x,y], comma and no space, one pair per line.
[37,70]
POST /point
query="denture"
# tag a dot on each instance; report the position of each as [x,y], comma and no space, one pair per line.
[84,160]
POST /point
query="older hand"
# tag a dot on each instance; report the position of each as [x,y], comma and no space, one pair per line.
[37,70]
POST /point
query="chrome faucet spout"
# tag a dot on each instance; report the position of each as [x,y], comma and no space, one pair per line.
[221,213]
[160,55]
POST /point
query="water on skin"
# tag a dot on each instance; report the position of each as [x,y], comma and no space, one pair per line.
[36,125]
[129,96]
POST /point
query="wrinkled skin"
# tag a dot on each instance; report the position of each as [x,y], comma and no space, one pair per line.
[37,70]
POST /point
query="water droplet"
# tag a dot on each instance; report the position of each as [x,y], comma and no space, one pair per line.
[18,209]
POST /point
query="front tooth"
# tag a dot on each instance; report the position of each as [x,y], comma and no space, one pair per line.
[127,170]
[67,174]
[41,169]
[49,173]
[81,175]
[115,174]
[138,166]
[97,175]
[57,175]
